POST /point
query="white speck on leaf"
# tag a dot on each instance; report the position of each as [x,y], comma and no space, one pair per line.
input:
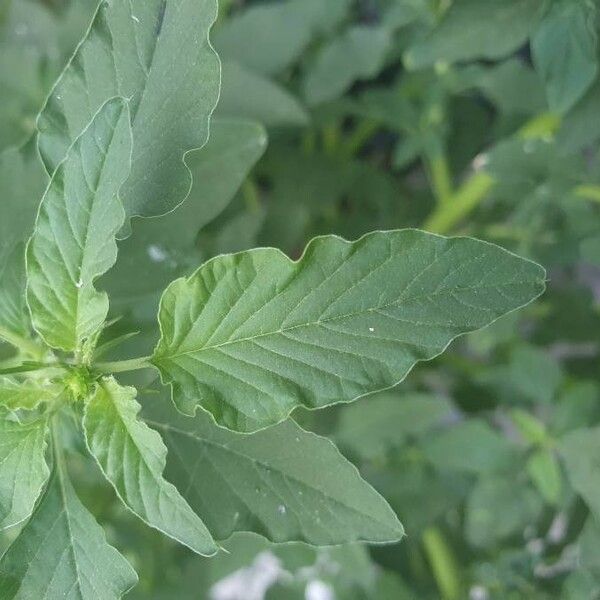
[371,329]
[79,284]
[135,18]
[281,509]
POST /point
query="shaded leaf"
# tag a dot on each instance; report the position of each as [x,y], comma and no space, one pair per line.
[565,54]
[157,53]
[473,29]
[284,483]
[358,53]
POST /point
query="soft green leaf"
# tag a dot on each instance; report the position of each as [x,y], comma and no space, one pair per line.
[358,53]
[499,508]
[23,469]
[388,421]
[474,29]
[251,336]
[22,181]
[160,247]
[283,482]
[252,96]
[565,54]
[132,457]
[268,38]
[544,470]
[534,374]
[157,53]
[25,394]
[471,446]
[74,238]
[580,450]
[62,553]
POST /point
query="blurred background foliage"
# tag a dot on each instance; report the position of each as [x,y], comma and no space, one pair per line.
[468,117]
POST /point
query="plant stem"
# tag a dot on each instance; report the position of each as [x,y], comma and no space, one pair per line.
[123,366]
[461,204]
[440,178]
[443,564]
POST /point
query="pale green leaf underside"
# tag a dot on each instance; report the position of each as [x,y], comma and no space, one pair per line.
[251,336]
[157,54]
[284,483]
[74,238]
[25,395]
[132,457]
[62,553]
[23,469]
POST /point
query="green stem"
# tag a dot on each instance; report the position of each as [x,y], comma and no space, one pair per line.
[448,214]
[331,139]
[443,564]
[21,343]
[439,174]
[359,137]
[251,195]
[123,366]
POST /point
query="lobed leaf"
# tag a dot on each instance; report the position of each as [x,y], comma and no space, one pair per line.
[284,483]
[132,457]
[26,395]
[157,54]
[159,246]
[62,553]
[23,469]
[74,241]
[251,336]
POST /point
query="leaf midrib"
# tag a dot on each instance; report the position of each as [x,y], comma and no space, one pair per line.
[333,319]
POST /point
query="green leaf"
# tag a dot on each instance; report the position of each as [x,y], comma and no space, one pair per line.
[157,53]
[580,450]
[499,508]
[159,247]
[22,181]
[252,96]
[13,308]
[74,238]
[472,446]
[564,51]
[358,53]
[389,420]
[23,469]
[283,482]
[62,553]
[474,29]
[271,37]
[25,394]
[544,470]
[132,457]
[251,336]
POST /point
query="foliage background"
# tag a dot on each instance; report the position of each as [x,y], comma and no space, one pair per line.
[476,117]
